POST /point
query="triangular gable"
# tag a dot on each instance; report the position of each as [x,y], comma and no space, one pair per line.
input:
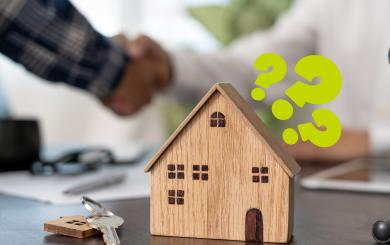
[284,158]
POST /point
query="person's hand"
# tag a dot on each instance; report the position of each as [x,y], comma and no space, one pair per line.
[147,72]
[352,144]
[135,89]
[144,47]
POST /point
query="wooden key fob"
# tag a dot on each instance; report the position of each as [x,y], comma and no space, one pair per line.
[74,226]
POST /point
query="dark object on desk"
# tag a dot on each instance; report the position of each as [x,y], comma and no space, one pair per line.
[79,161]
[381,231]
[19,144]
[74,162]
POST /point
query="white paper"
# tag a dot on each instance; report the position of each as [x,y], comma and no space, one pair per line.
[50,188]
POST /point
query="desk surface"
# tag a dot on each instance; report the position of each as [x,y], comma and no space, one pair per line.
[321,217]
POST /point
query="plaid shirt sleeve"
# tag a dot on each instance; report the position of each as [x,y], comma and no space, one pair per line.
[54,41]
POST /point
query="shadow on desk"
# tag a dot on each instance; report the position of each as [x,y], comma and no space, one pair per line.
[59,239]
[154,240]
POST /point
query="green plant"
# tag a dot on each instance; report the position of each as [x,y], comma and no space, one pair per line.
[227,23]
[240,17]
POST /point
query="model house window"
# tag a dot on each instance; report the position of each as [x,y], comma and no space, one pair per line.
[200,172]
[217,119]
[176,197]
[175,171]
[260,174]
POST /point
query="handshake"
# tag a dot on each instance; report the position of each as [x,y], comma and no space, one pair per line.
[148,72]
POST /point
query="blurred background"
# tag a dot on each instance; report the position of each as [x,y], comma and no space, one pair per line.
[68,115]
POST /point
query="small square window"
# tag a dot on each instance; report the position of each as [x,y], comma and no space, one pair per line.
[171,193]
[205,168]
[264,170]
[171,175]
[213,122]
[221,123]
[205,176]
[264,179]
[171,200]
[195,167]
[255,179]
[180,167]
[180,201]
[171,167]
[180,175]
[180,193]
[195,176]
[255,170]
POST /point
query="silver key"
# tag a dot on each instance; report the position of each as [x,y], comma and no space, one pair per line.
[95,207]
[107,225]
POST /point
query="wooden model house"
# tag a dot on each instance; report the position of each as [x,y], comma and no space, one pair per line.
[222,175]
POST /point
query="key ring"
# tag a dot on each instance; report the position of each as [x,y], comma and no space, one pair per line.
[95,208]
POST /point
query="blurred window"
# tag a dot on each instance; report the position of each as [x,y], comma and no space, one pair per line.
[167,21]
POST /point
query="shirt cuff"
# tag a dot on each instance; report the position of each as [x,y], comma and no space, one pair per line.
[110,72]
[380,138]
[180,67]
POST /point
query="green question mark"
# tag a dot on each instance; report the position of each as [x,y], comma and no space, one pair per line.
[265,79]
[326,90]
[321,138]
[310,67]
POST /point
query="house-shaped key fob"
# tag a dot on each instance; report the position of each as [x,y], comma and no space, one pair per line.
[74,226]
[222,175]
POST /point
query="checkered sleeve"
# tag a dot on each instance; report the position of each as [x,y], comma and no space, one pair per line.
[54,41]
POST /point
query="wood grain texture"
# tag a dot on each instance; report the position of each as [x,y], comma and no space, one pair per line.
[74,226]
[217,208]
[230,93]
[284,158]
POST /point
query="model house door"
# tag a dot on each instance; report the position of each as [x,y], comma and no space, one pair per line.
[254,225]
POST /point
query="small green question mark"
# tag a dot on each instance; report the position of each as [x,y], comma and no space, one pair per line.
[321,138]
[265,79]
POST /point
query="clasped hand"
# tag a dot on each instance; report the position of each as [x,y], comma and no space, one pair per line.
[147,72]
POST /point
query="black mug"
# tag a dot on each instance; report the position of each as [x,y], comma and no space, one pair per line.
[20,144]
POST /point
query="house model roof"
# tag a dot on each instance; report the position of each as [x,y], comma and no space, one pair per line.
[281,155]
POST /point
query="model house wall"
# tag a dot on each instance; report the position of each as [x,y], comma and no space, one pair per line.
[215,175]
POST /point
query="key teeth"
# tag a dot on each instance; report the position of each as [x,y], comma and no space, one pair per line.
[110,235]
[115,235]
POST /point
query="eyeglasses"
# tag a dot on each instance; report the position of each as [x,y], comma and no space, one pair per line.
[74,162]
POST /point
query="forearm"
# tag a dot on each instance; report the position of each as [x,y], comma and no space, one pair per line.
[194,74]
[293,37]
[54,41]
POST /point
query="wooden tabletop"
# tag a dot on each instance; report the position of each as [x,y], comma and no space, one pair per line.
[321,217]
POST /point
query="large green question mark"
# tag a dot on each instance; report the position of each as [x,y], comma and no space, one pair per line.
[321,138]
[329,86]
[326,90]
[310,67]
[268,77]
